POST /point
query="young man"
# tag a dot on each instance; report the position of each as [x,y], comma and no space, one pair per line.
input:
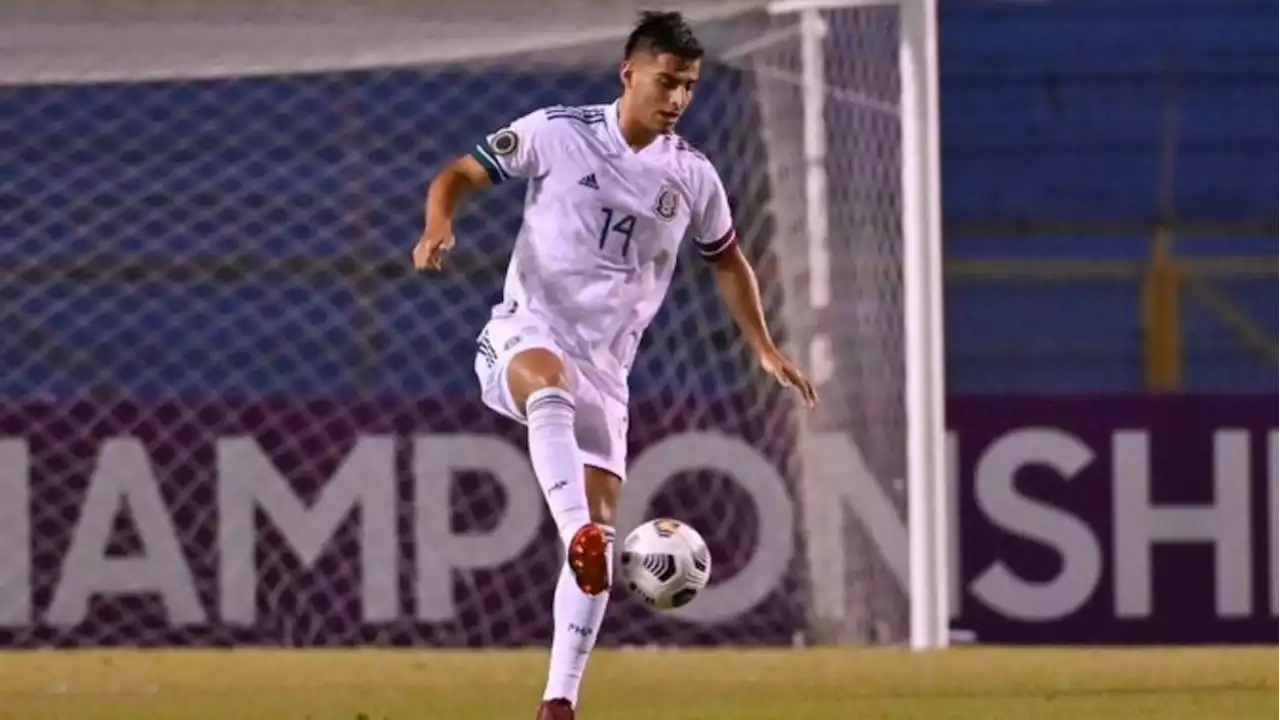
[612,192]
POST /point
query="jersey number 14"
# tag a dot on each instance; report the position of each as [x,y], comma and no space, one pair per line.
[624,226]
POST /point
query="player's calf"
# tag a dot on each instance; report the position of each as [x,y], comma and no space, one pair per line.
[539,386]
[579,606]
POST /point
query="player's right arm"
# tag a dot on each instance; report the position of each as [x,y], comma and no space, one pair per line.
[515,151]
[444,196]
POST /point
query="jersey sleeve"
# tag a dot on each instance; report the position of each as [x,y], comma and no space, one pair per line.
[519,150]
[713,231]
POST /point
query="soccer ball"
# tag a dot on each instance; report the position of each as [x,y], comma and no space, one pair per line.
[666,563]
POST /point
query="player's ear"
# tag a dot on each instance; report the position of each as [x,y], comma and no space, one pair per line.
[625,72]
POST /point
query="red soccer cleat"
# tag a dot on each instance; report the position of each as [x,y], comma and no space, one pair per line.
[588,558]
[558,709]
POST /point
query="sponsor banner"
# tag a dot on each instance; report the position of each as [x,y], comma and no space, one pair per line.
[1125,519]
[386,522]
[1106,519]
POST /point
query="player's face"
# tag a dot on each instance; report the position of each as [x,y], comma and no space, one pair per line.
[659,88]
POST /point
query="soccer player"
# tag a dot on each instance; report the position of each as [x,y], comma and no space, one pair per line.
[612,191]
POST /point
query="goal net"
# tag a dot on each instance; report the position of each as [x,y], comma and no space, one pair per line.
[233,413]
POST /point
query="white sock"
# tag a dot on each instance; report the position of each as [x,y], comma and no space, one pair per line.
[578,617]
[553,448]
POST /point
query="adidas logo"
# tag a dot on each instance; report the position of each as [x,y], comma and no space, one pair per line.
[590,182]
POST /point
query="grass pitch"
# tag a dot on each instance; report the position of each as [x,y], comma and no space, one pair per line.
[861,684]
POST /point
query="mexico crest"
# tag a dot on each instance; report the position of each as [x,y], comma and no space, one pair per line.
[667,201]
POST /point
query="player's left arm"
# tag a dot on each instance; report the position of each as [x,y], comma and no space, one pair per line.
[717,242]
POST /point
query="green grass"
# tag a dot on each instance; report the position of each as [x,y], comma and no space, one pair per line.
[861,684]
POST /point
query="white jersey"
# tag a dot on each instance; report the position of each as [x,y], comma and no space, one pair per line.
[602,228]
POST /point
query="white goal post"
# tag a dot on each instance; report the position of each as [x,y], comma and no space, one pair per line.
[235,415]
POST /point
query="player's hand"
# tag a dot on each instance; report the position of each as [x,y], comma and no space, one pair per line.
[434,244]
[788,375]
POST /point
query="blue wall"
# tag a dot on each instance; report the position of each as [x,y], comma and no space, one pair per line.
[1054,111]
[1049,112]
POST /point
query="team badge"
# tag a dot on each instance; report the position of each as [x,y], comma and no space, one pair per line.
[504,142]
[665,206]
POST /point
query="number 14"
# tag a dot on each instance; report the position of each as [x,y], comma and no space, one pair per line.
[624,226]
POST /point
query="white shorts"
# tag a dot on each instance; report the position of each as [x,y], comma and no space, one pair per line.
[601,425]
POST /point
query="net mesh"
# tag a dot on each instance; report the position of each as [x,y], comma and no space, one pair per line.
[851,327]
[234,414]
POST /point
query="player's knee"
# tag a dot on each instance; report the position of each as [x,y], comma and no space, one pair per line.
[603,489]
[533,370]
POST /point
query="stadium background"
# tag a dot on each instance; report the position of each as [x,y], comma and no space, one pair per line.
[1050,154]
[244,214]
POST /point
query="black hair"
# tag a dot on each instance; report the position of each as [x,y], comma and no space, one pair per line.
[663,32]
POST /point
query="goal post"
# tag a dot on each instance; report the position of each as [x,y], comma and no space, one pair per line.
[236,415]
[928,471]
